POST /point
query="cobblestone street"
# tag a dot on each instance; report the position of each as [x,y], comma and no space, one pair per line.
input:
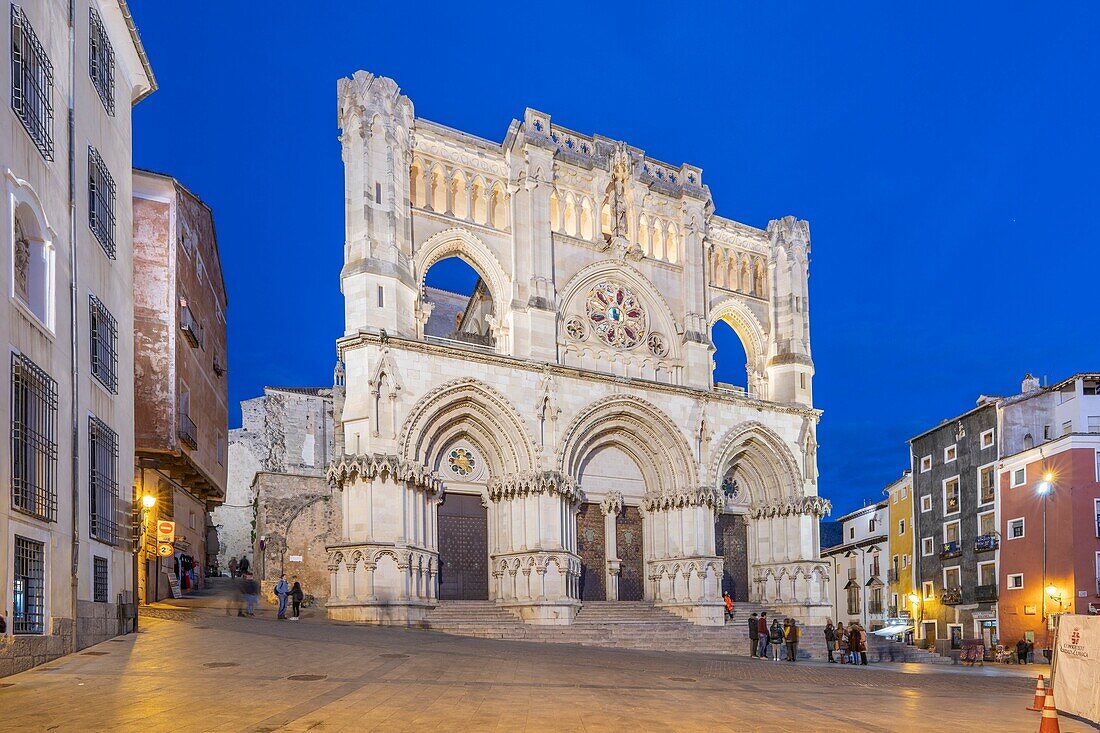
[192,668]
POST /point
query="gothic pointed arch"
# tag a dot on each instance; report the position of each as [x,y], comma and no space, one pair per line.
[472,410]
[464,244]
[737,313]
[661,318]
[761,464]
[642,431]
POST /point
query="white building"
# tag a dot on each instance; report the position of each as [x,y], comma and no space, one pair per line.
[565,441]
[859,566]
[65,550]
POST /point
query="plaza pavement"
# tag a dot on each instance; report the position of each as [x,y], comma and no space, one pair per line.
[193,668]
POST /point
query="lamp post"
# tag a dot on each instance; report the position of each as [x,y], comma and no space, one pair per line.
[915,600]
[1044,488]
[148,501]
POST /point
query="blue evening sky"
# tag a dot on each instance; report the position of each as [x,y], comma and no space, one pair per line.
[945,155]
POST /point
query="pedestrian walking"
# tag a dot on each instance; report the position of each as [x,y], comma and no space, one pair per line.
[296,596]
[775,639]
[842,642]
[762,631]
[232,567]
[729,604]
[243,567]
[282,589]
[830,639]
[1021,651]
[754,634]
[251,593]
[1030,652]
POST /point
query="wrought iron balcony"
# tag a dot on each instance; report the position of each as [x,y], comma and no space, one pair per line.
[986,543]
[951,549]
[190,326]
[985,593]
[951,597]
[892,577]
[188,433]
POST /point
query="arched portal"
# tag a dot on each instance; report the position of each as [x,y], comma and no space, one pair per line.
[461,305]
[737,332]
[731,362]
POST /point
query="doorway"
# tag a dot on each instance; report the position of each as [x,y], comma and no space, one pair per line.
[731,544]
[463,548]
[592,548]
[628,541]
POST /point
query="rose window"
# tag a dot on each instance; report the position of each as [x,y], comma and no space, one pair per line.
[461,462]
[616,315]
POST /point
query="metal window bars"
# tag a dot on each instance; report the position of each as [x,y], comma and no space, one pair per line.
[188,433]
[101,202]
[31,83]
[33,439]
[29,607]
[101,61]
[102,481]
[99,580]
[104,344]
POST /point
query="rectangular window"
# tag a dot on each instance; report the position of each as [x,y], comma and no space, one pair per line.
[101,61]
[102,480]
[928,590]
[951,498]
[871,526]
[191,520]
[952,578]
[874,605]
[987,573]
[905,561]
[1094,423]
[987,491]
[874,566]
[1019,476]
[1067,427]
[377,192]
[29,607]
[33,439]
[926,503]
[1016,528]
[1016,581]
[99,587]
[853,601]
[901,526]
[987,523]
[802,381]
[381,297]
[1096,511]
[1090,387]
[987,439]
[927,547]
[31,83]
[926,464]
[101,202]
[950,453]
[851,533]
[951,532]
[221,451]
[104,344]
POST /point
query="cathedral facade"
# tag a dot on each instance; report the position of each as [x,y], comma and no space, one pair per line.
[557,436]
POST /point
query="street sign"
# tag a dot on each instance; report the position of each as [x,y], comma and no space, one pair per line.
[164,549]
[166,532]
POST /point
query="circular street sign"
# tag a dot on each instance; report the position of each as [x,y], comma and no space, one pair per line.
[164,550]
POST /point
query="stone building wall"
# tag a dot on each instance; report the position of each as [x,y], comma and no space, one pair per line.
[296,517]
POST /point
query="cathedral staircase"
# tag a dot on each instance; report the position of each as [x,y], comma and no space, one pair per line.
[619,624]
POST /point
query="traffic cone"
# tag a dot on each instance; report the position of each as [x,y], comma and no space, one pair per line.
[1049,721]
[1040,695]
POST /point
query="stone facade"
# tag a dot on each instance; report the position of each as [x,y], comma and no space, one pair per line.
[277,462]
[601,272]
[66,258]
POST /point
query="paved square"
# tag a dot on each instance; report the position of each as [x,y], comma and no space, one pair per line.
[195,669]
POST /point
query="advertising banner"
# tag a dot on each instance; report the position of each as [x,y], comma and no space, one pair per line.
[1077,666]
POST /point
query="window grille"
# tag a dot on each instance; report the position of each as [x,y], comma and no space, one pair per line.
[99,587]
[29,612]
[104,344]
[33,439]
[101,61]
[31,83]
[103,480]
[101,202]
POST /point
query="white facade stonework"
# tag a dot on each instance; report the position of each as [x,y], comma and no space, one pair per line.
[582,380]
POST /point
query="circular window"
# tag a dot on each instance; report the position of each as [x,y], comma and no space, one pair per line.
[616,314]
[461,461]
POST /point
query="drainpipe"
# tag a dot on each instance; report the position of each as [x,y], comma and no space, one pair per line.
[74,343]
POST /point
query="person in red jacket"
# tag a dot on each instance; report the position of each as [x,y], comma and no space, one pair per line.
[729,604]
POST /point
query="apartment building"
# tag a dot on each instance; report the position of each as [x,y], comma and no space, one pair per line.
[859,567]
[900,587]
[182,418]
[75,70]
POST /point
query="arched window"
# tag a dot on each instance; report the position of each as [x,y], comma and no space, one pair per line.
[730,358]
[416,185]
[658,240]
[570,216]
[498,211]
[32,259]
[555,213]
[605,220]
[462,305]
[480,202]
[672,244]
[586,219]
[731,271]
[439,191]
[459,203]
[643,234]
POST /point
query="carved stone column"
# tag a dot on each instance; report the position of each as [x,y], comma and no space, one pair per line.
[544,500]
[382,553]
[788,572]
[612,506]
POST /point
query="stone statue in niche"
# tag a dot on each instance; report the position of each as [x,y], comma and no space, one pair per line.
[617,206]
[22,261]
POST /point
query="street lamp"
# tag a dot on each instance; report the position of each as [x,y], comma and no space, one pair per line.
[148,501]
[1044,489]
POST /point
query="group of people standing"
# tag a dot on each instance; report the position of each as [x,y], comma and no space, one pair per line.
[238,568]
[292,593]
[848,645]
[774,638]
